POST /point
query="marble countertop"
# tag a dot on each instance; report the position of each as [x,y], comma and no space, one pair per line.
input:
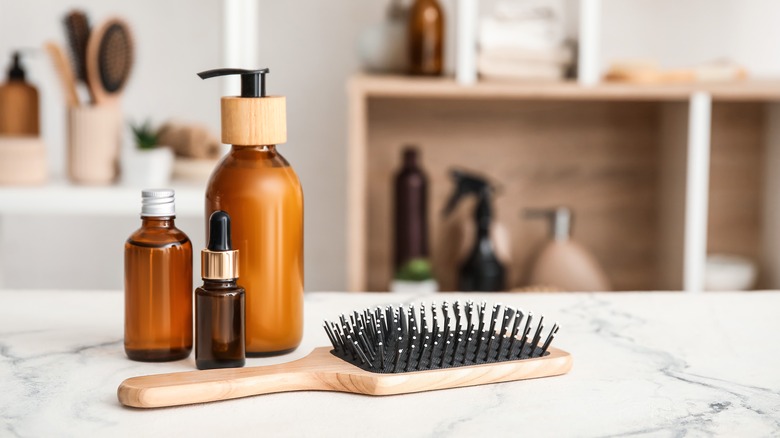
[660,364]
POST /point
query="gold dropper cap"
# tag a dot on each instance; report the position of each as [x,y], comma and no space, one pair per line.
[219,265]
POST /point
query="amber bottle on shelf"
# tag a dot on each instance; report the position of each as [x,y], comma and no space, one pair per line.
[219,303]
[18,103]
[158,284]
[426,38]
[257,187]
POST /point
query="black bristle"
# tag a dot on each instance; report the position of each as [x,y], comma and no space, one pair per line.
[514,333]
[398,340]
[550,337]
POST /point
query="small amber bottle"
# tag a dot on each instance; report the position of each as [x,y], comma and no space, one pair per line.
[426,38]
[158,284]
[219,303]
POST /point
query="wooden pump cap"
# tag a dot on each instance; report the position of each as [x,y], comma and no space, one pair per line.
[249,121]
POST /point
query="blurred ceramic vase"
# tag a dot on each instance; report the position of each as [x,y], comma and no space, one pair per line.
[382,47]
[147,167]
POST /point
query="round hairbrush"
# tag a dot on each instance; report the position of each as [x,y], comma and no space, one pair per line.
[109,60]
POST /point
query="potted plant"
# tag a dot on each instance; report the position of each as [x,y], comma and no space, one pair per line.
[415,276]
[148,164]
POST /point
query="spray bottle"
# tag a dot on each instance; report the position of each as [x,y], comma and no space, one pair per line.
[481,270]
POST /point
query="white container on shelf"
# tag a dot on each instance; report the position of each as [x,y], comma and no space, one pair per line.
[147,167]
[415,287]
[727,272]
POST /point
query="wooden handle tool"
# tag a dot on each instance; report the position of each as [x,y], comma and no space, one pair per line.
[322,371]
[65,72]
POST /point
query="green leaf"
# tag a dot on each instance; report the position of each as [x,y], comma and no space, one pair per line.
[145,135]
[415,270]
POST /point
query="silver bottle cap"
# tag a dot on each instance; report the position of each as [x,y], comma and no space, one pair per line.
[157,202]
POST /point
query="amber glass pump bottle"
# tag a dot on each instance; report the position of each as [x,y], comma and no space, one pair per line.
[257,187]
[158,284]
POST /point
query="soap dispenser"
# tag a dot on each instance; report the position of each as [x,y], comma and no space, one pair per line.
[18,102]
[482,270]
[257,187]
[562,262]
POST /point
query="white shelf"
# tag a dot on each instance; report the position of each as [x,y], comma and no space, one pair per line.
[66,199]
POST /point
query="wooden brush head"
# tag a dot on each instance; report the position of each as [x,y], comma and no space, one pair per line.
[109,59]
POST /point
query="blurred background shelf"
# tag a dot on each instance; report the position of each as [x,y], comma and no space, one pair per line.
[61,198]
[658,175]
[393,86]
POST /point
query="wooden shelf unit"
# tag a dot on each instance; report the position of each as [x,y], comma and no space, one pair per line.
[635,163]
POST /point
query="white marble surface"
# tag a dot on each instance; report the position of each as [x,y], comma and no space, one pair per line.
[654,364]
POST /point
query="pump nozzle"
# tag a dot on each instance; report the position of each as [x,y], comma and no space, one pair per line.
[560,218]
[252,81]
[16,71]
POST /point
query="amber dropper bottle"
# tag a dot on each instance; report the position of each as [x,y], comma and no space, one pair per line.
[219,303]
[158,284]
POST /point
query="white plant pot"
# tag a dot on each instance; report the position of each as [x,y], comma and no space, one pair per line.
[147,167]
[416,287]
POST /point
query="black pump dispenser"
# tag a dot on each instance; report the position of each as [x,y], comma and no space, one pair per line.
[16,72]
[219,232]
[252,81]
[481,271]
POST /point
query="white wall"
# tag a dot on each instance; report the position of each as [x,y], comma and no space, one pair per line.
[310,47]
[681,33]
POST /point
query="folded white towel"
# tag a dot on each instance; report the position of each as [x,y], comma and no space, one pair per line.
[528,35]
[506,70]
[562,55]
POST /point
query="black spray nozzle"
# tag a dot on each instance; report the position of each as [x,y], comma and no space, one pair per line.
[252,81]
[467,184]
[219,232]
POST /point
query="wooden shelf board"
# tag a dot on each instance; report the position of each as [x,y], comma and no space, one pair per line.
[385,86]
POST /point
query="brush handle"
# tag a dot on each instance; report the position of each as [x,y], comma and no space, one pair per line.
[174,389]
[322,371]
[65,73]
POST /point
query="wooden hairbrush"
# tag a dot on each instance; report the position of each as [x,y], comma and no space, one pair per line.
[77,31]
[381,352]
[109,60]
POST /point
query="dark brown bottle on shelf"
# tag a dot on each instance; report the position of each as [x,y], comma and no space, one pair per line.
[426,38]
[411,210]
[158,284]
[219,303]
